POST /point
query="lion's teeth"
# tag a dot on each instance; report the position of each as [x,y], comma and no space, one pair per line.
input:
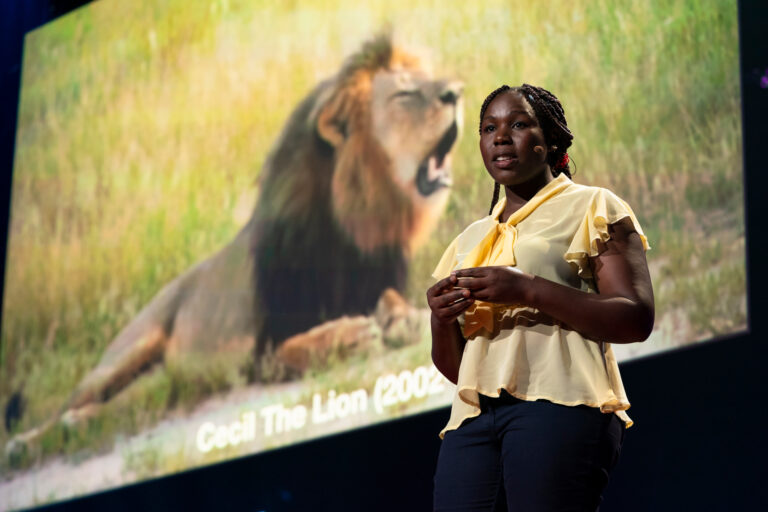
[432,172]
[441,172]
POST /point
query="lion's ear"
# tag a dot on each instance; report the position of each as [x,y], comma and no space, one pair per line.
[331,121]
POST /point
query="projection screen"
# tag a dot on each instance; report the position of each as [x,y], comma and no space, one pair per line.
[225,214]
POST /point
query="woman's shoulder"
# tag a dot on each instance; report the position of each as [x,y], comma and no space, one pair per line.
[582,189]
[586,194]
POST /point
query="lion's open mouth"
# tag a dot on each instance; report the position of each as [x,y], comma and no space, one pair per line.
[434,171]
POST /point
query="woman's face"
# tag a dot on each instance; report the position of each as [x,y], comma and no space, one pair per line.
[509,132]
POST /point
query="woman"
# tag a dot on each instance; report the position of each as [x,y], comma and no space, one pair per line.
[527,303]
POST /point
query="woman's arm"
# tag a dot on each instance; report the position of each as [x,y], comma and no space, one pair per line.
[447,303]
[621,312]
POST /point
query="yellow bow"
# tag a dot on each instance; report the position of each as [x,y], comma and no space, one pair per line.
[498,248]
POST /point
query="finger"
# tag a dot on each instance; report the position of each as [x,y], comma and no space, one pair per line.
[446,299]
[443,285]
[481,295]
[448,283]
[471,283]
[449,298]
[447,292]
[471,272]
[450,313]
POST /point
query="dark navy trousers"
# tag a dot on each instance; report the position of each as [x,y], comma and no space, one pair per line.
[528,457]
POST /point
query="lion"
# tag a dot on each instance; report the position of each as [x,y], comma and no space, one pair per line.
[342,236]
[354,183]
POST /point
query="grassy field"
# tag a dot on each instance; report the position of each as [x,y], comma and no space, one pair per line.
[142,130]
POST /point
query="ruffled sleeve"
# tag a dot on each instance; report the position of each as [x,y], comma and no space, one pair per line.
[605,208]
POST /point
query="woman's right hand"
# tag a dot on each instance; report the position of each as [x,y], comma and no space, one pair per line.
[447,301]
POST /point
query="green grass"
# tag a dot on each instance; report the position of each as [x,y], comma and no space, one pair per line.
[142,130]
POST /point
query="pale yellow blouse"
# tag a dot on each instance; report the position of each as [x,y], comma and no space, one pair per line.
[520,349]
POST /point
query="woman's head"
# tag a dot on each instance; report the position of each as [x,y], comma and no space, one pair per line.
[550,117]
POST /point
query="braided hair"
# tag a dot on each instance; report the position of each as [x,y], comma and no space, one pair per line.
[551,116]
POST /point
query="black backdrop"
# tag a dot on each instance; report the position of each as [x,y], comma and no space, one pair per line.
[699,445]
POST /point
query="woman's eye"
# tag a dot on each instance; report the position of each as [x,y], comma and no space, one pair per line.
[519,124]
[489,128]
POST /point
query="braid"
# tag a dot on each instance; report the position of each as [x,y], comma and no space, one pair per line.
[551,116]
[495,199]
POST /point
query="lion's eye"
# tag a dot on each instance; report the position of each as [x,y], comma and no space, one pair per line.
[406,94]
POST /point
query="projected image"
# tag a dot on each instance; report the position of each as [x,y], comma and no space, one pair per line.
[225,215]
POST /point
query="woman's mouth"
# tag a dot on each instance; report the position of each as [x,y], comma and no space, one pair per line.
[505,161]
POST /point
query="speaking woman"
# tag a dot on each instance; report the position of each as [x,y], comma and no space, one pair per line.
[527,304]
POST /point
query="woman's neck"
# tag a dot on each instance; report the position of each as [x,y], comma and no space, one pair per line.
[518,195]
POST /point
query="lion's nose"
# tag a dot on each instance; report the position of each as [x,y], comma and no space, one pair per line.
[451,92]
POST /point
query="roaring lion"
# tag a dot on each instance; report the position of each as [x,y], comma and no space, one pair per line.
[357,178]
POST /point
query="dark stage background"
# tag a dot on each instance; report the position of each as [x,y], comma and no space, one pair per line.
[698,446]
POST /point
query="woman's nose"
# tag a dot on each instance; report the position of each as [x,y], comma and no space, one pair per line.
[502,136]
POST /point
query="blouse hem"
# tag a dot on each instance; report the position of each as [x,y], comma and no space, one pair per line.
[619,407]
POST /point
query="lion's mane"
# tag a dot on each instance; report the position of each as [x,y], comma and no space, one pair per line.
[331,226]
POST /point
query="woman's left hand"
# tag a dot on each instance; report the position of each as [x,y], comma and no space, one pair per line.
[499,285]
